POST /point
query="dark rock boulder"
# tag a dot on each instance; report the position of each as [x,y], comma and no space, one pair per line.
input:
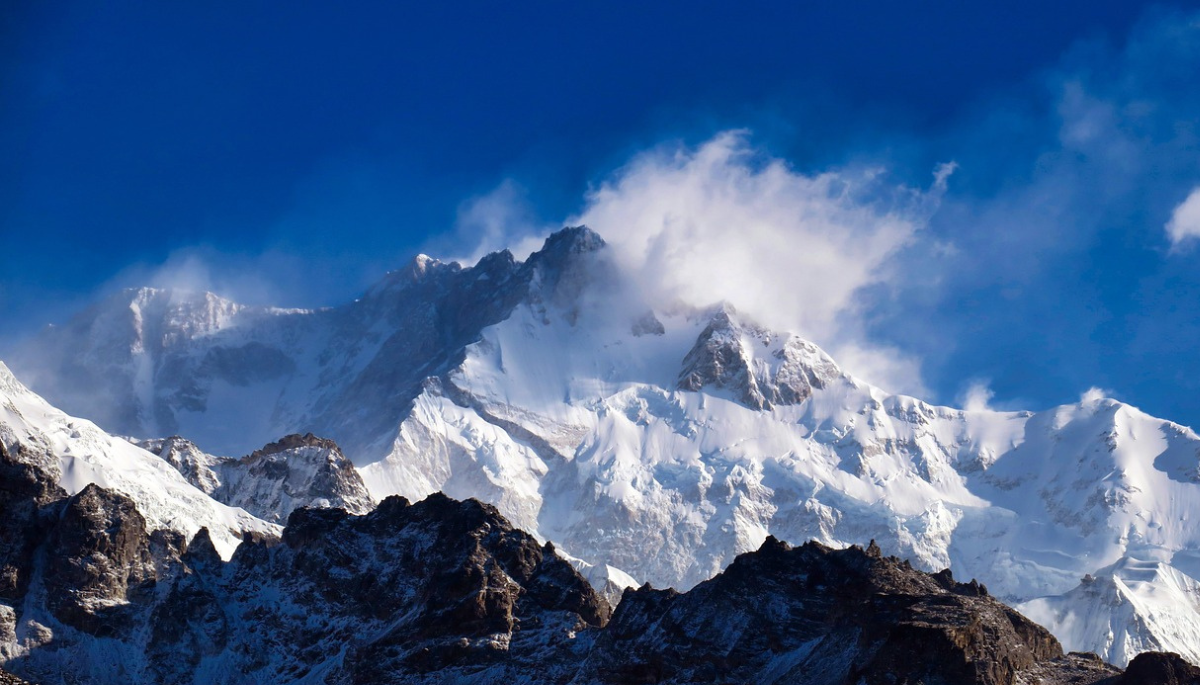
[1160,668]
[102,562]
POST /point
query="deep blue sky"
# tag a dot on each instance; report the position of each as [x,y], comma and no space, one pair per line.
[324,145]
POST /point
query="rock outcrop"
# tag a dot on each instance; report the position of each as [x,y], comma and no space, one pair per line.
[760,369]
[811,614]
[409,592]
[1167,668]
[295,471]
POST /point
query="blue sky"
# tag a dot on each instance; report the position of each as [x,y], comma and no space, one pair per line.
[292,157]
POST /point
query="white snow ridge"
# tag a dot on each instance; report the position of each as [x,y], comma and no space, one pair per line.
[79,453]
[649,441]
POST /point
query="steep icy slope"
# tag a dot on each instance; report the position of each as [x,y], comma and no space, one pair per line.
[657,438]
[1131,607]
[76,453]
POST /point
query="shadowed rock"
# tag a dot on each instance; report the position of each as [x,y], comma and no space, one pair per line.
[448,591]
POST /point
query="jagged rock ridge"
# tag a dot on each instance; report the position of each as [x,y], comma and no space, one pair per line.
[422,591]
[446,591]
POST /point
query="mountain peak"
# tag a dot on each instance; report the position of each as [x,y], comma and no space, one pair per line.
[566,267]
[295,441]
[761,368]
[573,240]
[420,265]
[9,383]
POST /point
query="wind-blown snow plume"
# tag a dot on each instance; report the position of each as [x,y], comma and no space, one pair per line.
[490,221]
[725,222]
[977,397]
[718,222]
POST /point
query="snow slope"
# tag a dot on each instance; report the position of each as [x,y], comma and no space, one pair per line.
[581,435]
[79,453]
[1130,607]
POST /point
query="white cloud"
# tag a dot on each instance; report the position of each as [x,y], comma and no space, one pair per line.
[717,223]
[882,366]
[724,222]
[1093,395]
[502,218]
[1185,220]
[977,397]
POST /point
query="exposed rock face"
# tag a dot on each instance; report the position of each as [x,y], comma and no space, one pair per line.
[760,369]
[410,592]
[454,588]
[197,467]
[448,591]
[24,490]
[101,555]
[815,615]
[297,471]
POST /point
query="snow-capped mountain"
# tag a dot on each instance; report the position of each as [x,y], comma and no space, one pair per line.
[75,454]
[296,471]
[1130,607]
[657,439]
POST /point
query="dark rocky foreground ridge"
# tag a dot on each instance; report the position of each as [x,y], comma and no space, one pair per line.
[447,591]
